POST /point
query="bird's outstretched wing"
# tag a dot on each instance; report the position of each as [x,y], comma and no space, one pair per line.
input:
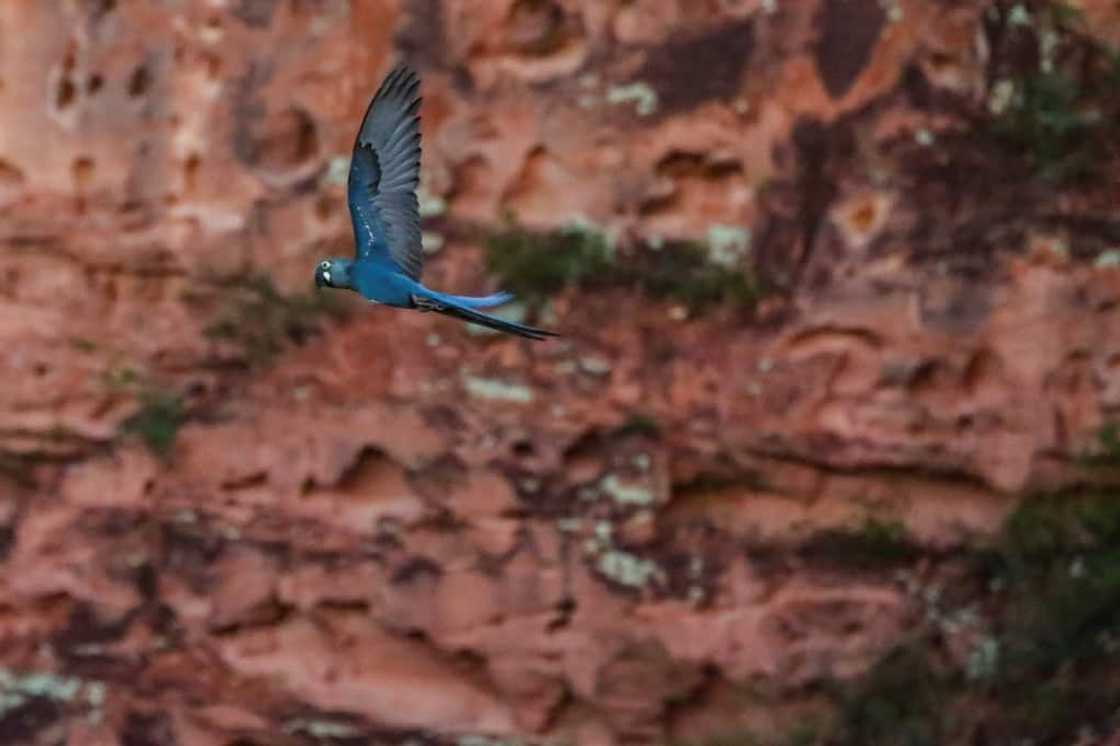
[385,171]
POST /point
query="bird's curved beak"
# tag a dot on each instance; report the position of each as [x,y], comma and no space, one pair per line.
[320,281]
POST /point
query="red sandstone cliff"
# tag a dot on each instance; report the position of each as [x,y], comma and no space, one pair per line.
[395,529]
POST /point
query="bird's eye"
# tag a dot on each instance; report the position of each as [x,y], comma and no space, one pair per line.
[325,265]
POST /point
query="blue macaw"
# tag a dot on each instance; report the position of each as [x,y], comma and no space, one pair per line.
[381,192]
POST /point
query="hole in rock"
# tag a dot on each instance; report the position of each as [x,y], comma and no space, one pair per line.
[10,175]
[101,8]
[282,142]
[213,66]
[65,95]
[83,170]
[190,171]
[139,81]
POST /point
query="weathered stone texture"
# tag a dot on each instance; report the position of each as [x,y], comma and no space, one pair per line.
[401,529]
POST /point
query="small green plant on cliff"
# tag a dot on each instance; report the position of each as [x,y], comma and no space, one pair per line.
[900,702]
[1055,664]
[1107,450]
[1062,112]
[159,414]
[1046,121]
[1046,663]
[263,321]
[156,423]
[681,271]
[538,265]
[1061,565]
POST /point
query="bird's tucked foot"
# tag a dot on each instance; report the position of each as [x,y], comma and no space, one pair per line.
[426,304]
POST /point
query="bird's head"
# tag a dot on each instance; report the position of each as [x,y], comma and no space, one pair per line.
[333,273]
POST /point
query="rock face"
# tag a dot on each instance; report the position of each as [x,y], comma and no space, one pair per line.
[384,527]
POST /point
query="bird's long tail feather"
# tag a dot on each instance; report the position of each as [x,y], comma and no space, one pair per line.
[485,301]
[510,327]
[447,307]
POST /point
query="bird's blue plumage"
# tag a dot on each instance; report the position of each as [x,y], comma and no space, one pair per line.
[385,214]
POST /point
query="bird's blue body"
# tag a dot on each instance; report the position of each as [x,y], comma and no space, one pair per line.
[381,193]
[374,275]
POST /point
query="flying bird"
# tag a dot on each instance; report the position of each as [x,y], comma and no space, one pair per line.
[381,193]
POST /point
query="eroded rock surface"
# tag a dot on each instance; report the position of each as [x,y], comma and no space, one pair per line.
[395,529]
